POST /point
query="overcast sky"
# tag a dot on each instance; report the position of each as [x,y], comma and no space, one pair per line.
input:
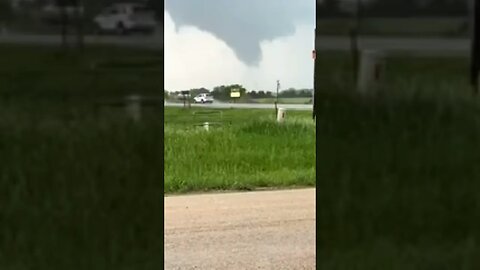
[250,42]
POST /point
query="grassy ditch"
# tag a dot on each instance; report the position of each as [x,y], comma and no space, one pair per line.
[248,150]
[398,172]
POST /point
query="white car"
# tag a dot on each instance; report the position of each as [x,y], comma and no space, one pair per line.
[124,18]
[203,98]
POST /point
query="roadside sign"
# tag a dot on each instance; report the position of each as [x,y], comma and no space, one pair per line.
[235,93]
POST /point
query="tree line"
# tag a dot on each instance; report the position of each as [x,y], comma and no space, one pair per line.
[222,92]
[394,8]
[91,7]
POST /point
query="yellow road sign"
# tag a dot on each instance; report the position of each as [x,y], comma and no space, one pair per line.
[235,93]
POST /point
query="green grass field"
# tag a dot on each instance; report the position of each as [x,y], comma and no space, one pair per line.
[397,172]
[80,187]
[46,73]
[248,151]
[80,184]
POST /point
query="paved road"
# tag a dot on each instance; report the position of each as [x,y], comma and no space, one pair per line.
[253,230]
[297,107]
[420,45]
[145,42]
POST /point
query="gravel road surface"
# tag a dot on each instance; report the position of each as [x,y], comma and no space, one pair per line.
[252,230]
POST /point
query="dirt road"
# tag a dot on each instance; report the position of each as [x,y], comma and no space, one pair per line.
[253,230]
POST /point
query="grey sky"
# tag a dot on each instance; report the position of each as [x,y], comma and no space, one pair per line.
[242,24]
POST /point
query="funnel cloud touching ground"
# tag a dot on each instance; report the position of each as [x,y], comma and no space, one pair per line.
[254,43]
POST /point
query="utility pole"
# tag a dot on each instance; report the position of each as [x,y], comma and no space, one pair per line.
[78,5]
[475,44]
[315,60]
[354,31]
[276,101]
[64,22]
[314,56]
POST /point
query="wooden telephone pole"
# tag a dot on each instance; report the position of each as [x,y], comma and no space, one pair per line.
[76,21]
[276,99]
[474,8]
[354,33]
[78,4]
[63,21]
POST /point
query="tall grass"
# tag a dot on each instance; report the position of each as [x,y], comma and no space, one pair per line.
[80,195]
[45,73]
[239,154]
[397,173]
[79,189]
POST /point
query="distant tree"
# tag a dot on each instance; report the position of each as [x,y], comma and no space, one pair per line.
[93,7]
[391,8]
[304,93]
[218,92]
[296,93]
[63,21]
[6,11]
[66,20]
[410,8]
[289,93]
[79,23]
[253,94]
[443,8]
[269,94]
[223,92]
[157,6]
[329,8]
[197,91]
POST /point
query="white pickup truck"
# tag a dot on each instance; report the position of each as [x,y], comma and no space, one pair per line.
[125,18]
[203,98]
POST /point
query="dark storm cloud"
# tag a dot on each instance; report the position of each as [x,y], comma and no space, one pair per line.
[242,24]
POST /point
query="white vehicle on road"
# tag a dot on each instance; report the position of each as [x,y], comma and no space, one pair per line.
[203,98]
[126,17]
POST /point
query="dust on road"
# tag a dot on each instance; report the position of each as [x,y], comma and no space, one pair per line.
[254,230]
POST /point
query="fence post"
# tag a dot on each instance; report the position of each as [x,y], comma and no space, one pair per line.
[3,29]
[371,71]
[281,114]
[134,107]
